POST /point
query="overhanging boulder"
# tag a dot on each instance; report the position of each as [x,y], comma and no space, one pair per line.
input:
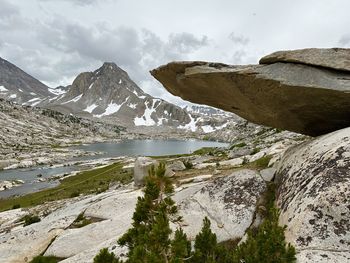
[311,97]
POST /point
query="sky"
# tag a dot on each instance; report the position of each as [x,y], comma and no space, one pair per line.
[55,40]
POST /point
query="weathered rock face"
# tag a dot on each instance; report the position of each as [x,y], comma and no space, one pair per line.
[314,195]
[311,99]
[333,58]
[229,202]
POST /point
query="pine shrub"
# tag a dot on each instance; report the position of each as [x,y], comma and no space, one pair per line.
[105,257]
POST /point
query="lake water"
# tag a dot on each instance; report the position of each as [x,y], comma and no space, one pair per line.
[147,147]
[124,148]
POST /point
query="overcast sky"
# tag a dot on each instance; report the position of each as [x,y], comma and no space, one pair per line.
[54,40]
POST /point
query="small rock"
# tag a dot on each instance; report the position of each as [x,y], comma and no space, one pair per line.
[232,162]
[204,165]
[41,180]
[257,156]
[169,172]
[239,152]
[216,172]
[177,166]
[268,174]
[202,178]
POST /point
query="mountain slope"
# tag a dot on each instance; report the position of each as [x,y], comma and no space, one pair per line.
[35,132]
[108,93]
[17,85]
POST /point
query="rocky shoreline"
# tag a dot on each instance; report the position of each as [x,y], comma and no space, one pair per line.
[198,188]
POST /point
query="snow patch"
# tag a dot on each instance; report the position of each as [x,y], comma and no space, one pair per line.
[56,91]
[160,121]
[222,126]
[91,85]
[13,96]
[111,108]
[3,89]
[209,128]
[145,119]
[32,93]
[20,90]
[36,103]
[74,99]
[120,81]
[32,100]
[190,126]
[90,108]
[133,106]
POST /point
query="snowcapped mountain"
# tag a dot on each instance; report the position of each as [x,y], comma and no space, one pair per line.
[108,93]
[18,86]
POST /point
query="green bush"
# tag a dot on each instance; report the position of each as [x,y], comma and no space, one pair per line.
[266,245]
[44,259]
[188,164]
[16,206]
[263,162]
[105,257]
[81,221]
[238,145]
[30,219]
[74,194]
[255,150]
[205,246]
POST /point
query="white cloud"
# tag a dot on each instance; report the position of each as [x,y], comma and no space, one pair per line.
[56,40]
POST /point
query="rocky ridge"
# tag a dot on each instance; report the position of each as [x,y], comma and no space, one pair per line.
[16,85]
[31,136]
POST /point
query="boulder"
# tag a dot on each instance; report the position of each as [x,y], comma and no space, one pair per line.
[308,96]
[229,202]
[313,196]
[177,166]
[239,152]
[232,162]
[205,165]
[141,167]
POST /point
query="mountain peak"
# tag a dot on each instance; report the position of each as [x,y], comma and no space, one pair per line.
[109,67]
